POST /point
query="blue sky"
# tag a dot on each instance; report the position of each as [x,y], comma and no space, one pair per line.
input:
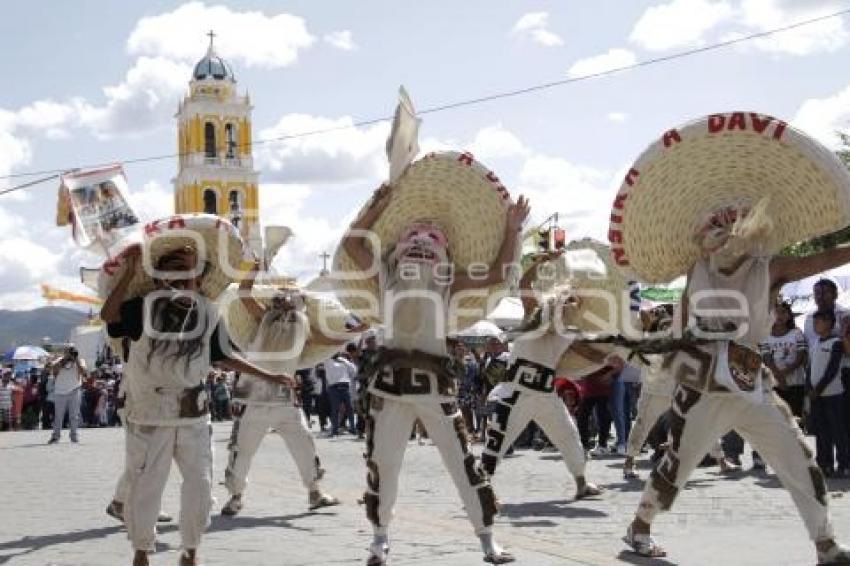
[99,81]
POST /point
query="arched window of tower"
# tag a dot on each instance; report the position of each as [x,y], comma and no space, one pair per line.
[230,140]
[210,204]
[209,140]
[235,202]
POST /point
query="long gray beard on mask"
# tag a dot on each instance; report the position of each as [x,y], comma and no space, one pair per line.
[420,297]
[282,332]
[179,321]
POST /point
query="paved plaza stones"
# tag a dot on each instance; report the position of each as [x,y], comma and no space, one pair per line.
[52,503]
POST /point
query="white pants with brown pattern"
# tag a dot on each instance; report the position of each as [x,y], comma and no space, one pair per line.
[251,425]
[388,429]
[698,419]
[511,416]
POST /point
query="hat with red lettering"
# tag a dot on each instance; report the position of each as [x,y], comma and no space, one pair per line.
[464,200]
[690,193]
[215,241]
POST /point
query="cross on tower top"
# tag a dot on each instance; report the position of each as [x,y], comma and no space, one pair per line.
[325,256]
[211,35]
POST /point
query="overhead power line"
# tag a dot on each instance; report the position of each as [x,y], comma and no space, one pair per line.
[453,105]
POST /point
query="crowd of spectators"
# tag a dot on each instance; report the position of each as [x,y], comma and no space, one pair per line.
[811,367]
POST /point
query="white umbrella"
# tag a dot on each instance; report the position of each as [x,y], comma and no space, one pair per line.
[481,329]
[29,353]
[507,313]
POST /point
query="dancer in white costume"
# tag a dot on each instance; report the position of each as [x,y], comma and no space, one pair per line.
[175,337]
[729,187]
[528,393]
[115,508]
[436,219]
[656,398]
[275,332]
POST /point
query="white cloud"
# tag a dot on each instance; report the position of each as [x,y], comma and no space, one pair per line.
[152,201]
[495,142]
[144,101]
[824,36]
[553,184]
[679,23]
[14,152]
[618,117]
[535,26]
[822,117]
[341,40]
[286,204]
[252,38]
[614,59]
[345,154]
[24,264]
[688,23]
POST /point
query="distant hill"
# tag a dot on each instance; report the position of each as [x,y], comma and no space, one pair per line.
[18,328]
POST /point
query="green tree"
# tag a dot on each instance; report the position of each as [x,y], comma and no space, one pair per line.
[832,239]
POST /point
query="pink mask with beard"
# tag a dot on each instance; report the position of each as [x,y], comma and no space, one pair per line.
[421,242]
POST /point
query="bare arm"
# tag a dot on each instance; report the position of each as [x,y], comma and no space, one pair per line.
[785,269]
[516,215]
[251,304]
[110,312]
[355,246]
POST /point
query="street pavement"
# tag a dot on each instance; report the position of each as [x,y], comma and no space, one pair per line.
[52,501]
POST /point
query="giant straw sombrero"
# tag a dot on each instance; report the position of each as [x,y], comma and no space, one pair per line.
[216,240]
[320,310]
[605,307]
[717,163]
[465,199]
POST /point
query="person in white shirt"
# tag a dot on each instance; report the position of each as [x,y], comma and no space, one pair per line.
[825,293]
[785,352]
[826,398]
[68,373]
[340,374]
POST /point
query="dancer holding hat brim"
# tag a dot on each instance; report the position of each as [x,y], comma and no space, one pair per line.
[528,393]
[174,338]
[442,217]
[280,329]
[734,188]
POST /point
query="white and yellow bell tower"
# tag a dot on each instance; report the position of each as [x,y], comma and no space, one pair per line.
[217,173]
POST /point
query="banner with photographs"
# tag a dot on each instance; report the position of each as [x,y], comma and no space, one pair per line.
[96,205]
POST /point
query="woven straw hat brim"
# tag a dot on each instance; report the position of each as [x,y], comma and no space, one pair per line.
[722,160]
[222,245]
[242,327]
[603,292]
[464,198]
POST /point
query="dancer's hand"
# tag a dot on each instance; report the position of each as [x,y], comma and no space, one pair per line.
[517,213]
